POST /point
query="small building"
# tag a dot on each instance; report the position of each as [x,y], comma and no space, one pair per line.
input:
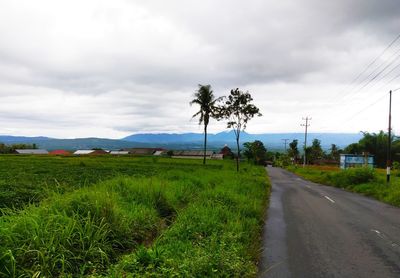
[31,151]
[354,160]
[226,152]
[218,156]
[192,154]
[90,152]
[59,152]
[119,152]
[158,153]
[142,151]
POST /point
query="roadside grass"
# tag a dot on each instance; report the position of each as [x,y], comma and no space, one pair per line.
[369,182]
[185,220]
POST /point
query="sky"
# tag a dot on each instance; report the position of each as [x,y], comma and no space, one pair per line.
[109,69]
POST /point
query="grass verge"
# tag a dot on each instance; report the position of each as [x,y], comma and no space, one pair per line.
[369,182]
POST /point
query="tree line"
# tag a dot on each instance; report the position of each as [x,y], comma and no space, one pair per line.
[8,149]
[375,144]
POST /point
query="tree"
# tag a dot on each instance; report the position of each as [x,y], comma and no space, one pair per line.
[316,151]
[255,152]
[238,110]
[293,151]
[204,97]
[335,152]
[375,144]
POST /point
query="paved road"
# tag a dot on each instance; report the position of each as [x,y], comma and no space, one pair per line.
[322,231]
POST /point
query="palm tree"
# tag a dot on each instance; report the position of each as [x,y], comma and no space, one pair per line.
[204,97]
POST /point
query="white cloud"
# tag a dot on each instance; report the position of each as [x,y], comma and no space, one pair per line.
[109,68]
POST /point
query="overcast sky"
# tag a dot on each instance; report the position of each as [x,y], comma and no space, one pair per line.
[112,68]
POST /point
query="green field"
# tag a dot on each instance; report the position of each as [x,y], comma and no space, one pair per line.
[369,182]
[129,217]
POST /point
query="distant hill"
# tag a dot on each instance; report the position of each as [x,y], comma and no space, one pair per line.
[273,141]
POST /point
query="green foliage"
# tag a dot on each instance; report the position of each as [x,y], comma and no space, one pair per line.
[255,152]
[352,176]
[204,97]
[238,111]
[375,144]
[214,236]
[282,160]
[176,218]
[7,149]
[293,151]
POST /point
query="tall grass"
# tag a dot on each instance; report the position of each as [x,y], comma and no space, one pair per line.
[183,220]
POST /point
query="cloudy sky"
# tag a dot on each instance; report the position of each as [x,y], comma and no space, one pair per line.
[112,68]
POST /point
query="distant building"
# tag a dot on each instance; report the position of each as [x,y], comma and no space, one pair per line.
[31,151]
[90,152]
[354,160]
[59,152]
[218,156]
[119,152]
[158,153]
[143,151]
[192,154]
[226,152]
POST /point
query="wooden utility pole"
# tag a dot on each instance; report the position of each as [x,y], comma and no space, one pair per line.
[306,125]
[389,148]
[285,142]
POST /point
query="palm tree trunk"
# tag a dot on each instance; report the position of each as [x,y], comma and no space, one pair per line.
[205,144]
[238,153]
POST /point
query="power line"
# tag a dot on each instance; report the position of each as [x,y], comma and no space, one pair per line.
[368,66]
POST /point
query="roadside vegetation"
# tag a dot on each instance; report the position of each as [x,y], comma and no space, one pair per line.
[131,217]
[369,182]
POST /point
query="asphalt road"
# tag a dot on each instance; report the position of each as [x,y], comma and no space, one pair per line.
[321,231]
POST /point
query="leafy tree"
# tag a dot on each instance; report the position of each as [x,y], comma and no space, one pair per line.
[238,110]
[353,148]
[293,151]
[375,144]
[315,151]
[204,97]
[334,152]
[255,152]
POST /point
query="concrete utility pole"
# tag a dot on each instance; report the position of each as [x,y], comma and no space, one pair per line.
[285,142]
[389,148]
[306,125]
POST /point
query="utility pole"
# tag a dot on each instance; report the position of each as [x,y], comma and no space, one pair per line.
[306,125]
[389,148]
[285,142]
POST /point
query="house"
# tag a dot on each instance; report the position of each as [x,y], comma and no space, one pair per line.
[226,151]
[353,160]
[90,152]
[143,151]
[218,156]
[119,152]
[59,152]
[192,154]
[31,151]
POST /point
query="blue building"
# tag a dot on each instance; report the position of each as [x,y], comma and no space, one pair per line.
[354,160]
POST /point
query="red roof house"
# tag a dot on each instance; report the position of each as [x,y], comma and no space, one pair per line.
[59,152]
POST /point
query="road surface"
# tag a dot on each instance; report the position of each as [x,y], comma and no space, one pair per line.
[321,231]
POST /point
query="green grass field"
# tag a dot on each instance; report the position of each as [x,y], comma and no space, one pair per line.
[129,217]
[361,180]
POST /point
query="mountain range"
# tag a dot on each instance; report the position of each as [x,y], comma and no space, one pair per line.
[273,141]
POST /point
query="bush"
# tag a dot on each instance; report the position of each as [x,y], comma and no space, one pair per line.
[353,176]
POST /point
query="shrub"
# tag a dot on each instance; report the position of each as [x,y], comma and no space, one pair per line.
[352,176]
